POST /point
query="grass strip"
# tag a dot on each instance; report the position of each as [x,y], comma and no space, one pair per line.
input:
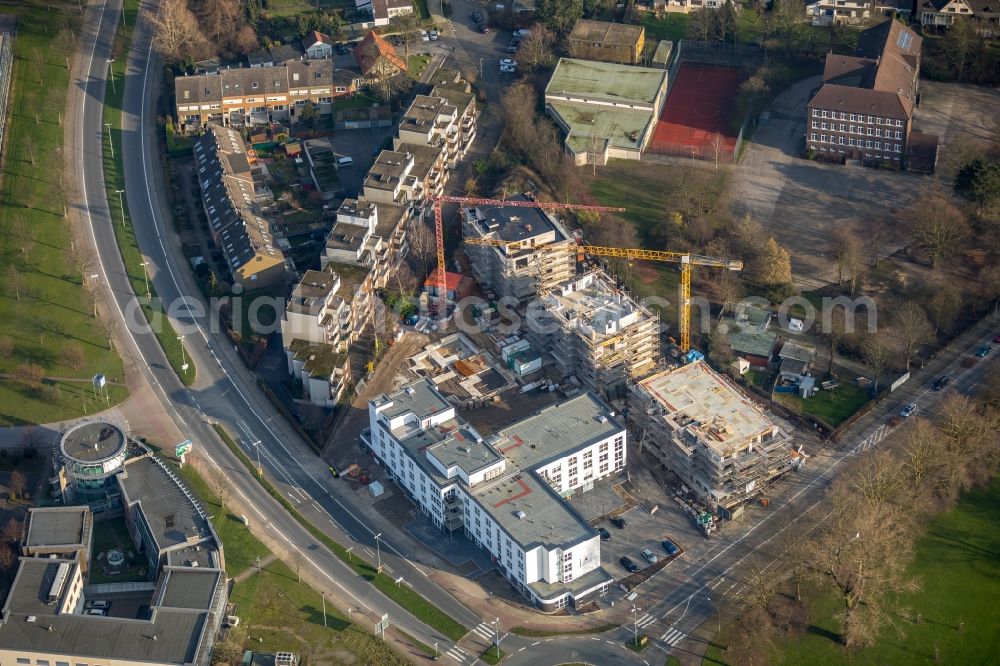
[492,655]
[638,644]
[114,183]
[417,643]
[403,595]
[541,633]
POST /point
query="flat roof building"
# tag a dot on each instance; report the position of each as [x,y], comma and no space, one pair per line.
[541,255]
[606,110]
[620,43]
[61,531]
[596,331]
[506,491]
[720,443]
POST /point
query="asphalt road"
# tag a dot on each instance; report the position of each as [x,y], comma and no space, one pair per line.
[679,598]
[223,392]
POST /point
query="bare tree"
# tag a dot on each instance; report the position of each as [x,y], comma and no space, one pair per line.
[178,35]
[30,374]
[937,226]
[33,437]
[847,245]
[911,329]
[718,146]
[538,48]
[383,75]
[12,529]
[72,356]
[7,557]
[408,26]
[749,235]
[6,346]
[877,235]
[423,243]
[18,483]
[876,356]
[834,332]
[921,457]
[944,305]
[221,486]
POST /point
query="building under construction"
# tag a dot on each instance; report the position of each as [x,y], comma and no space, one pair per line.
[704,429]
[547,261]
[597,332]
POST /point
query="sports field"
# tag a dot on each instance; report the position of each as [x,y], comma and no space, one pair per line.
[697,116]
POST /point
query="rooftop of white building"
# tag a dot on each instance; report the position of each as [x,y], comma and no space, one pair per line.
[600,308]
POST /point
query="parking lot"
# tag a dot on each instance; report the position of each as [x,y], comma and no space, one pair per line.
[363,146]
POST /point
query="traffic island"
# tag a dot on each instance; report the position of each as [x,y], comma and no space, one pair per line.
[638,644]
[492,655]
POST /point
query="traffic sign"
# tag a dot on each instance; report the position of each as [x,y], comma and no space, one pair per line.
[382,625]
[183,448]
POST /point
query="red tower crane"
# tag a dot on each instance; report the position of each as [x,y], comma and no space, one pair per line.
[442,280]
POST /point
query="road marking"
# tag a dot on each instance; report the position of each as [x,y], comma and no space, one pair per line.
[535,643]
[483,630]
[523,649]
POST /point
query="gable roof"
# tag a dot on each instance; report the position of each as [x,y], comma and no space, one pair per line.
[372,48]
[315,37]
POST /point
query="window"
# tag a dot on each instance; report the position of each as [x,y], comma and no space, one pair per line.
[824,113]
[843,127]
[22,660]
[878,145]
[572,461]
[854,117]
[899,135]
[843,141]
[878,121]
[254,85]
[815,124]
[604,468]
[815,113]
[588,455]
[62,663]
[868,144]
[851,142]
[897,148]
[603,448]
[822,126]
[822,137]
[899,123]
[187,95]
[871,132]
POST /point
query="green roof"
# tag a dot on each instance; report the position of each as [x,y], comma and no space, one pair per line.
[617,126]
[622,84]
[320,360]
[755,344]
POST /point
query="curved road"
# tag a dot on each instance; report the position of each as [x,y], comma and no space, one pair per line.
[679,601]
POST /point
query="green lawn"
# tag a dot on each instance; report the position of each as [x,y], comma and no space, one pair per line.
[110,534]
[833,407]
[492,655]
[285,614]
[114,176]
[958,564]
[293,7]
[538,633]
[672,26]
[416,65]
[46,314]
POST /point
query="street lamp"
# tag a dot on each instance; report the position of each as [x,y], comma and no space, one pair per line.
[496,623]
[718,613]
[121,205]
[635,626]
[111,141]
[184,363]
[112,70]
[480,68]
[145,276]
[378,551]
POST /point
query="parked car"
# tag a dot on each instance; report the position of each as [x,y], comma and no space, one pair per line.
[650,556]
[619,522]
[434,35]
[984,351]
[102,604]
[940,383]
[512,49]
[96,611]
[605,535]
[483,28]
[507,69]
[509,62]
[477,17]
[908,410]
[341,48]
[424,37]
[523,32]
[670,547]
[628,564]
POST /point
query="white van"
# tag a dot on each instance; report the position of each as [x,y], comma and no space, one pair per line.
[345,162]
[100,604]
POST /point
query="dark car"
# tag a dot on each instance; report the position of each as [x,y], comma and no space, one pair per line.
[940,383]
[629,565]
[477,17]
[984,351]
[670,547]
[619,522]
[605,535]
[341,49]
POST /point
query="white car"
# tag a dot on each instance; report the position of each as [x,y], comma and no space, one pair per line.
[507,69]
[507,62]
[523,32]
[424,37]
[434,35]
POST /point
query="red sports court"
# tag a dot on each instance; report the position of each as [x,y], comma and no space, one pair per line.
[700,105]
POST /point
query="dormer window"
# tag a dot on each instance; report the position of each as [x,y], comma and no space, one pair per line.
[254,85]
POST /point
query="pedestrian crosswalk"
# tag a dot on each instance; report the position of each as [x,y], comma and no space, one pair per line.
[485,631]
[645,621]
[457,653]
[672,636]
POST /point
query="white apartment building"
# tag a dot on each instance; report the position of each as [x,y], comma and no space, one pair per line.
[315,312]
[506,492]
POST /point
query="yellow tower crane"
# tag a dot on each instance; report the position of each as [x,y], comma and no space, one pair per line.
[685,259]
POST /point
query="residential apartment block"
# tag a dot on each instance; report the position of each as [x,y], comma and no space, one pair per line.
[705,430]
[597,332]
[233,196]
[540,256]
[433,120]
[260,95]
[506,491]
[864,109]
[684,6]
[621,43]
